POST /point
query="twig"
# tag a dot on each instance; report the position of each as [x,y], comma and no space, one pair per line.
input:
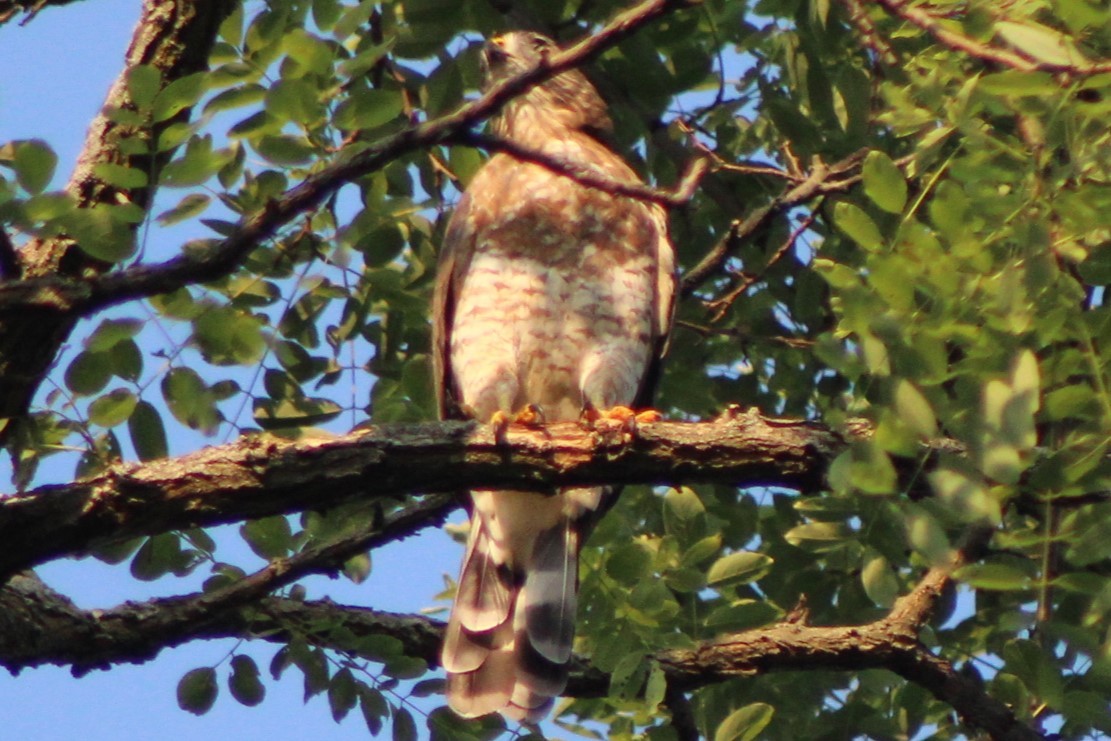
[723,304]
[996,55]
[679,196]
[85,296]
[821,180]
[858,17]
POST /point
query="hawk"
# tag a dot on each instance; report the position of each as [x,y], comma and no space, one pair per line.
[554,294]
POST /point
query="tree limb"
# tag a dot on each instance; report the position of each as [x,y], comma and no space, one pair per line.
[926,21]
[69,296]
[174,38]
[261,476]
[679,196]
[42,627]
[820,180]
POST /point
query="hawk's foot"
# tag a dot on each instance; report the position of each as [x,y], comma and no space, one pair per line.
[530,415]
[619,417]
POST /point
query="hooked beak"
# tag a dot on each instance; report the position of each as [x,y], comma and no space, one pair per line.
[494,52]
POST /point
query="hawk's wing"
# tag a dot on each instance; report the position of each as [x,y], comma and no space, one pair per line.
[455,257]
[664,314]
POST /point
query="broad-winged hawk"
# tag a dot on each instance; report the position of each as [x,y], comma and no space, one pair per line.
[550,293]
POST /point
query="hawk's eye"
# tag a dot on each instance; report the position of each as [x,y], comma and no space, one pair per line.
[541,44]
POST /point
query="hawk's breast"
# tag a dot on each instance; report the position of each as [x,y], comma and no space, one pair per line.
[561,283]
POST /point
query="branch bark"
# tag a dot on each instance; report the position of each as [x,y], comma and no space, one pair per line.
[261,476]
[1017,60]
[175,38]
[38,312]
[40,627]
[68,296]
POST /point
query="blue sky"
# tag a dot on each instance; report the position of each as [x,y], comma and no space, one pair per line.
[58,69]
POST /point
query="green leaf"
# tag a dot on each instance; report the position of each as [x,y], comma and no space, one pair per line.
[277,414]
[914,409]
[286,150]
[964,495]
[120,176]
[113,408]
[857,225]
[1029,662]
[309,51]
[88,373]
[629,562]
[112,331]
[269,537]
[357,568]
[49,206]
[244,682]
[684,513]
[738,568]
[180,94]
[341,694]
[884,183]
[373,707]
[818,536]
[101,232]
[34,162]
[656,687]
[196,165]
[404,728]
[191,205]
[994,576]
[236,97]
[879,581]
[746,723]
[367,109]
[226,336]
[1041,43]
[148,435]
[190,400]
[143,83]
[197,690]
[742,615]
[158,556]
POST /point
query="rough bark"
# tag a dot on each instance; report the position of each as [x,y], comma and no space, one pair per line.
[261,476]
[39,626]
[175,38]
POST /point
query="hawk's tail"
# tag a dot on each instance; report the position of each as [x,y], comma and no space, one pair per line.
[508,641]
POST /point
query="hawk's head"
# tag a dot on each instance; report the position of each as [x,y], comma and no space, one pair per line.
[567,100]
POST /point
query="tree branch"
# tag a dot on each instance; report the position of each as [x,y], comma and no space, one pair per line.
[261,476]
[822,179]
[679,196]
[174,38]
[30,8]
[1003,57]
[40,627]
[69,296]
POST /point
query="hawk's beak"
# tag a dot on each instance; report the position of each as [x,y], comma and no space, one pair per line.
[494,51]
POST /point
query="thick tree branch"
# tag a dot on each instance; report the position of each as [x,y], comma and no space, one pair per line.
[84,296]
[41,627]
[175,39]
[260,476]
[30,8]
[88,640]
